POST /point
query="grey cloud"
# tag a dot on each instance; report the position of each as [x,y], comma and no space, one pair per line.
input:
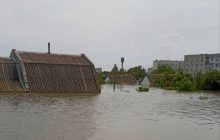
[139,30]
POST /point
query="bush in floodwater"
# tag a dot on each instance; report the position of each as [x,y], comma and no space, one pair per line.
[211,81]
[186,85]
[143,89]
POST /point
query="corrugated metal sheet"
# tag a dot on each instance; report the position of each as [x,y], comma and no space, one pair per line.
[4,60]
[56,73]
[7,70]
[10,86]
[61,78]
[30,57]
[8,76]
[48,73]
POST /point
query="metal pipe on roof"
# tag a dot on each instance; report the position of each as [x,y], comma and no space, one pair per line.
[48,47]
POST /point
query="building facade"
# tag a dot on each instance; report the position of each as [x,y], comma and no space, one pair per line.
[175,65]
[201,63]
[98,70]
[150,70]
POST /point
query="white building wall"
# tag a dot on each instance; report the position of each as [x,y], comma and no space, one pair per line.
[175,65]
[201,63]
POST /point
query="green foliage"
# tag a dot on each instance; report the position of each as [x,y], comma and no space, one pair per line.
[186,82]
[101,78]
[142,89]
[198,81]
[115,69]
[211,81]
[164,69]
[186,85]
[138,72]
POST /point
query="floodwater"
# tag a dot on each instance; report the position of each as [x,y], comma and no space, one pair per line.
[121,115]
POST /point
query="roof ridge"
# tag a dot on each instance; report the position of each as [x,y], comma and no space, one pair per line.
[4,57]
[40,53]
[45,58]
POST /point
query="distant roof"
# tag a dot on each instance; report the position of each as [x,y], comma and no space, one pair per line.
[34,57]
[209,55]
[168,60]
[123,79]
[5,60]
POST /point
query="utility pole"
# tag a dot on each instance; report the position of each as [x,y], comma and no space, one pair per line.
[114,77]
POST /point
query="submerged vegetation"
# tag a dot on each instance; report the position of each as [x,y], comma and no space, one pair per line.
[101,78]
[142,89]
[138,72]
[171,80]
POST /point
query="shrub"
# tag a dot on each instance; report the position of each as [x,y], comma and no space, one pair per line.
[211,81]
[186,85]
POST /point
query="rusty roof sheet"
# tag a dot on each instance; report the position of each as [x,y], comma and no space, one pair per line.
[10,86]
[5,60]
[45,58]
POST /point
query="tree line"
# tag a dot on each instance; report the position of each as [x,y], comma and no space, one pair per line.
[138,72]
[178,80]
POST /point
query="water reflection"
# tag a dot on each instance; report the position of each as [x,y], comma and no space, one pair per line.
[124,114]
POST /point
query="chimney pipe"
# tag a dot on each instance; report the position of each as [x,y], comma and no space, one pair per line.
[48,47]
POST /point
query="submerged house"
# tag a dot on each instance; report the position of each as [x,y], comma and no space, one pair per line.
[145,82]
[47,73]
[121,80]
[153,78]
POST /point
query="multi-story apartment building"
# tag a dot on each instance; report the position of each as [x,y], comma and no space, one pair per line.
[175,65]
[201,63]
[98,70]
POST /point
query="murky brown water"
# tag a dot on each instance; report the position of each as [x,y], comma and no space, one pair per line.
[123,115]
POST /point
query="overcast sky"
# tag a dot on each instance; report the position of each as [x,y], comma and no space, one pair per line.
[139,30]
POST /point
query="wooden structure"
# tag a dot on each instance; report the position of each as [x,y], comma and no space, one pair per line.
[51,73]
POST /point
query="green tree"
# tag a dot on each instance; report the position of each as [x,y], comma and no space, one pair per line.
[164,69]
[138,72]
[115,69]
[186,85]
[198,80]
[101,78]
[211,81]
